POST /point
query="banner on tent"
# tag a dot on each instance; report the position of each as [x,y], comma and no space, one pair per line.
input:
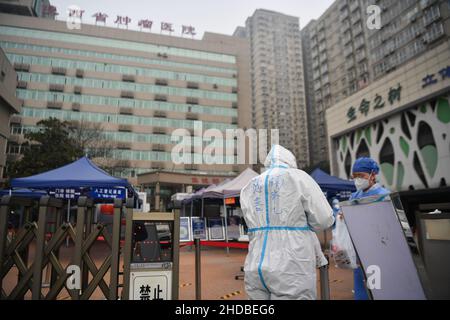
[107,193]
[65,193]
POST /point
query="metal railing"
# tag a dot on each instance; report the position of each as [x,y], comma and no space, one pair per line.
[31,248]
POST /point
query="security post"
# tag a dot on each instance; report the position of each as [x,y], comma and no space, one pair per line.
[151,256]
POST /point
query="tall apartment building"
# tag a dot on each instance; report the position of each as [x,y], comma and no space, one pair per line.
[278,94]
[31,8]
[346,56]
[9,105]
[139,86]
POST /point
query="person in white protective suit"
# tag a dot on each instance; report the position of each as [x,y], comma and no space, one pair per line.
[282,207]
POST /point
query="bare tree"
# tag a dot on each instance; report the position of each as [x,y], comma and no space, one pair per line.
[91,138]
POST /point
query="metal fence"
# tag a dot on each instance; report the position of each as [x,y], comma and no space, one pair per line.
[31,248]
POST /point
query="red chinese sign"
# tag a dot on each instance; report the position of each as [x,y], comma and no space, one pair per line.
[145,24]
[188,30]
[165,26]
[100,17]
[121,20]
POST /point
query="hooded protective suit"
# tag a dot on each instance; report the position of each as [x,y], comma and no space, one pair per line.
[281,208]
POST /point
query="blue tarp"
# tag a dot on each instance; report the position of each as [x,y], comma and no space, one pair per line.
[332,184]
[79,174]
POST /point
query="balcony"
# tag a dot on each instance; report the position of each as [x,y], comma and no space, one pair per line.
[123,145]
[354,6]
[21,84]
[158,148]
[360,55]
[357,29]
[161,82]
[343,15]
[345,25]
[25,67]
[322,47]
[192,85]
[191,116]
[76,107]
[348,50]
[161,98]
[127,94]
[54,104]
[347,38]
[77,89]
[59,71]
[128,78]
[160,114]
[79,73]
[159,130]
[126,111]
[355,18]
[16,119]
[125,128]
[190,100]
[56,87]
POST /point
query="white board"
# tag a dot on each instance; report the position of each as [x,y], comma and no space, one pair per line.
[151,285]
[379,240]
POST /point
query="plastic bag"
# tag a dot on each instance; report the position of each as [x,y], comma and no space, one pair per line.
[342,250]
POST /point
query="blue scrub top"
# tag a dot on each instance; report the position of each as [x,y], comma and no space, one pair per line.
[376,190]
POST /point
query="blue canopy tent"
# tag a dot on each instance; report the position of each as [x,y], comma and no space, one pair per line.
[333,186]
[79,174]
[25,193]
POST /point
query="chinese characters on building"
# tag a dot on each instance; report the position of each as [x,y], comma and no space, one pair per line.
[75,14]
[431,79]
[378,102]
[394,95]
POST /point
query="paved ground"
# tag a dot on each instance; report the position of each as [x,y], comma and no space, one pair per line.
[218,274]
[219,271]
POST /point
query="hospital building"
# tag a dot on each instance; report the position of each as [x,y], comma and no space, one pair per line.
[139,86]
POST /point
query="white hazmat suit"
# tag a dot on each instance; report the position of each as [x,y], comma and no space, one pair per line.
[282,207]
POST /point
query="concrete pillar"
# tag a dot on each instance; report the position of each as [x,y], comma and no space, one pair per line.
[157,197]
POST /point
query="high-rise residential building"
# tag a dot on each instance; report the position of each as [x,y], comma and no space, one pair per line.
[138,86]
[346,56]
[9,105]
[335,65]
[31,8]
[278,94]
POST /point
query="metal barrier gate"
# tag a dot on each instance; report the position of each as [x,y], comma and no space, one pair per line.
[33,240]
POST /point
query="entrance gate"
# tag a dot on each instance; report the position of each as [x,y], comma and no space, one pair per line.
[38,243]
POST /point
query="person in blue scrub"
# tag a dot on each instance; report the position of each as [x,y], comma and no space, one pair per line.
[364,173]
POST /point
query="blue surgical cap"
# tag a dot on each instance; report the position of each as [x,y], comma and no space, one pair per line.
[367,165]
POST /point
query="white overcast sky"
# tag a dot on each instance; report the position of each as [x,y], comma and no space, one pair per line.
[221,16]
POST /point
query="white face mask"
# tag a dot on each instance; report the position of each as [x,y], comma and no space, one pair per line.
[362,184]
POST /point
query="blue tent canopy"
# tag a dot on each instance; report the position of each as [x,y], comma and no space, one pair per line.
[79,174]
[332,184]
[25,193]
